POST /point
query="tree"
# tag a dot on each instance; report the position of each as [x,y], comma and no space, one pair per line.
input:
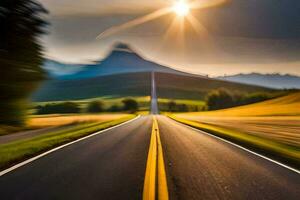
[172,106]
[219,99]
[182,108]
[130,105]
[62,108]
[114,108]
[20,56]
[95,107]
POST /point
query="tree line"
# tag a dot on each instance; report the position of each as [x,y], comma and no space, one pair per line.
[218,99]
[173,106]
[128,105]
[223,98]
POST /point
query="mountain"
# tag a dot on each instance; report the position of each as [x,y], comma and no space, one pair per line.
[267,80]
[122,59]
[125,73]
[58,70]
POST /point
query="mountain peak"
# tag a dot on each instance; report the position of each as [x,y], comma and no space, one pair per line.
[120,46]
[122,59]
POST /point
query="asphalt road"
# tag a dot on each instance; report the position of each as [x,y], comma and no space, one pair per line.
[112,166]
[107,166]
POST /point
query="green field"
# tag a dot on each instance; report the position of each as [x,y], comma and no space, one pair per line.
[17,151]
[271,127]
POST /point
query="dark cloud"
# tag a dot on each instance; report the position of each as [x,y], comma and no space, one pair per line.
[255,18]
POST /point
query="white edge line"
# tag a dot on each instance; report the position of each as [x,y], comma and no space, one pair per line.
[62,146]
[243,148]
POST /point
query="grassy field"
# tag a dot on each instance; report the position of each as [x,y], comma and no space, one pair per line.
[44,121]
[15,152]
[285,130]
[272,127]
[41,121]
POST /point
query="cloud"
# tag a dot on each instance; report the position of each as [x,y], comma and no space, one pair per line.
[245,35]
[102,7]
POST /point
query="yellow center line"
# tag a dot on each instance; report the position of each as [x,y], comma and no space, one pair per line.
[155,166]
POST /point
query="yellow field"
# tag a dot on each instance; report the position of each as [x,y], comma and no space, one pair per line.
[277,120]
[283,106]
[59,120]
[284,130]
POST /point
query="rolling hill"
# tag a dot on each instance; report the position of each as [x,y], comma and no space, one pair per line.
[132,84]
[169,85]
[191,87]
[126,73]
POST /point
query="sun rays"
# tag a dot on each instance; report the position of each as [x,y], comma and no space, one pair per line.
[182,10]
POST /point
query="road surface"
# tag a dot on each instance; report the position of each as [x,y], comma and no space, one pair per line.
[112,166]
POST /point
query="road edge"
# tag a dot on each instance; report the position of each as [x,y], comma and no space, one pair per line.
[16,166]
[239,146]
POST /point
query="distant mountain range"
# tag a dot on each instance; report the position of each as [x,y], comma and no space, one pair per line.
[122,59]
[277,81]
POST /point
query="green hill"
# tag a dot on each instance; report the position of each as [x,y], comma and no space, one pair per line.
[171,86]
[133,84]
[196,87]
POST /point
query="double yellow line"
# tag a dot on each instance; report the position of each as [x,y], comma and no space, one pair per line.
[155,170]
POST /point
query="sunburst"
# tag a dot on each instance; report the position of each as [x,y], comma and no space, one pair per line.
[181,8]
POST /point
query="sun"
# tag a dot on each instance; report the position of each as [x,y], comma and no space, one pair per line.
[181,8]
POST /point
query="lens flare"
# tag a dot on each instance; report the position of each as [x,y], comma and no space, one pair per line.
[181,8]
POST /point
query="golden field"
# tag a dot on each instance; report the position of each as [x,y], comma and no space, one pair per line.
[284,106]
[280,129]
[272,125]
[59,120]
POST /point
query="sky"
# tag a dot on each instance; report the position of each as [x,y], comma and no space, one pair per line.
[241,36]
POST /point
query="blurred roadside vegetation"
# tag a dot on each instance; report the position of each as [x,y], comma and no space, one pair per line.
[16,151]
[175,105]
[22,24]
[217,99]
[222,98]
[95,106]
